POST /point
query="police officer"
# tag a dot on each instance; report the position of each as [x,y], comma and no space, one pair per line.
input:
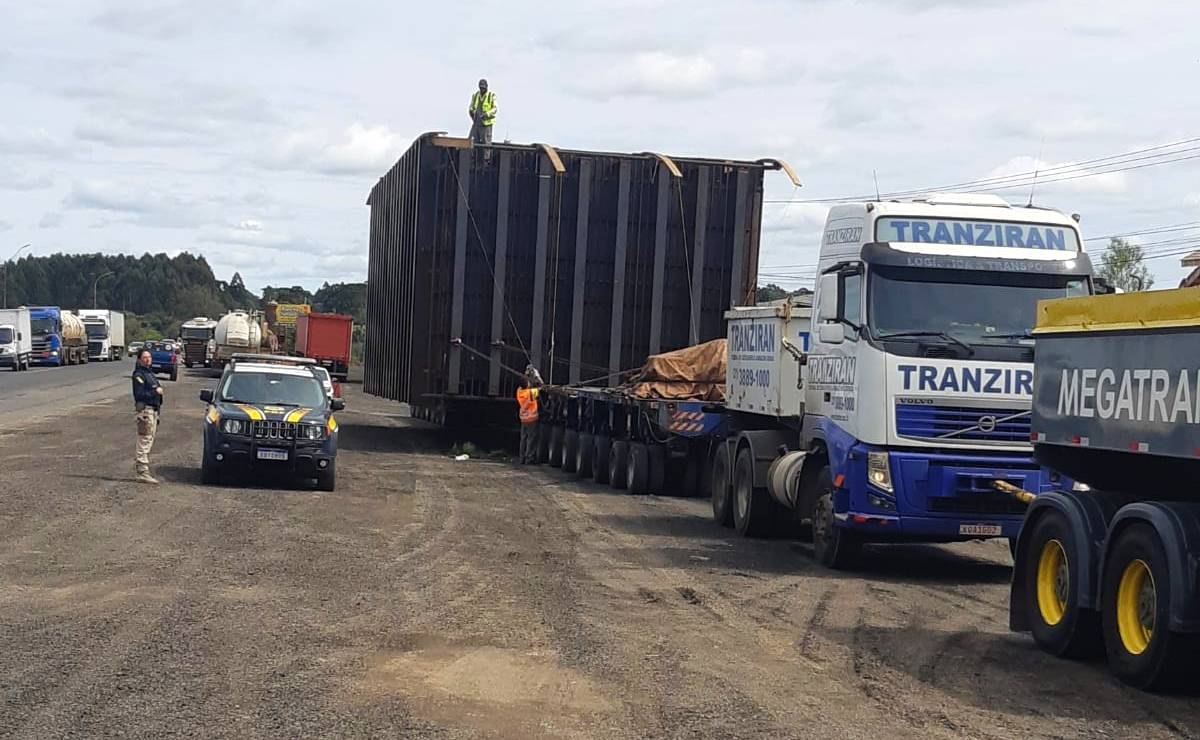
[147,402]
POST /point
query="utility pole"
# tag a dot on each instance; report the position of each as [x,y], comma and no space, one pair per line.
[10,259]
[96,282]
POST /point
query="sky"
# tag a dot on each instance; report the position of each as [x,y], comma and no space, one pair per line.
[251,133]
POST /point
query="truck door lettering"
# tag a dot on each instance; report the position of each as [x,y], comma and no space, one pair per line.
[1013,236]
[1183,399]
[1025,382]
[907,371]
[920,231]
[941,233]
[928,380]
[949,380]
[900,227]
[1160,380]
[1068,393]
[972,380]
[1124,397]
[1033,239]
[963,233]
[1105,399]
[981,235]
[993,379]
[1141,376]
[1056,239]
[1087,392]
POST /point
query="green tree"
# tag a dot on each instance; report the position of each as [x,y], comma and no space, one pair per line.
[1123,266]
[771,292]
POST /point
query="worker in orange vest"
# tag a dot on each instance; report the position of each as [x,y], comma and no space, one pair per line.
[527,401]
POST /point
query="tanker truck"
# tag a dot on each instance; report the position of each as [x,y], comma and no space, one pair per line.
[59,337]
[237,332]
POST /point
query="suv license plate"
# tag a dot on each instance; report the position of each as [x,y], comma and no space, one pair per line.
[980,530]
[269,454]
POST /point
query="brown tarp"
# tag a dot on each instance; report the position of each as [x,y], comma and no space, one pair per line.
[689,374]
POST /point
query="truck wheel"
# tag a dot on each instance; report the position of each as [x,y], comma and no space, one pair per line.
[1058,624]
[543,446]
[570,447]
[754,513]
[637,470]
[1142,651]
[585,452]
[833,546]
[327,478]
[601,447]
[658,468]
[555,449]
[618,457]
[722,504]
[210,474]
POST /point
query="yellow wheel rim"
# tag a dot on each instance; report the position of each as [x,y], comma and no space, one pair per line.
[1137,604]
[1053,582]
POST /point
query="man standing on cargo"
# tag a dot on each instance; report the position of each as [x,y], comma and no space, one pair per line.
[147,402]
[527,401]
[482,113]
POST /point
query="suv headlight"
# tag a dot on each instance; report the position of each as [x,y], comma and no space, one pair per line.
[312,431]
[235,426]
[879,473]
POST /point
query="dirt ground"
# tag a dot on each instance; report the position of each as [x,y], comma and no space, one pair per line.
[435,598]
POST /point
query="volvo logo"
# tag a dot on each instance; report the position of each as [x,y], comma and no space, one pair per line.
[987,424]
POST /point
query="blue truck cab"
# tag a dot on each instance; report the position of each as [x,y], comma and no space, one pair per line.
[59,337]
[271,415]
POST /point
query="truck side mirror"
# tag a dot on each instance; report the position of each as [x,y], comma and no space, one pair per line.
[832,333]
[206,395]
[337,404]
[827,301]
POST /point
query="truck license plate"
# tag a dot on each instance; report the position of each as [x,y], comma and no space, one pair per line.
[980,530]
[269,454]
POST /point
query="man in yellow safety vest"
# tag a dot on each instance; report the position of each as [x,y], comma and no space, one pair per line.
[527,401]
[482,113]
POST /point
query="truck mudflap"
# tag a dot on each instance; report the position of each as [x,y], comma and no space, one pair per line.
[691,418]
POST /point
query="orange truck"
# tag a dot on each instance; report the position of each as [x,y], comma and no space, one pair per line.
[325,337]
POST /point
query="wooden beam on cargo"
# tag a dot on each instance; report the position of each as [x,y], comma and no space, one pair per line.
[666,162]
[779,164]
[450,142]
[555,160]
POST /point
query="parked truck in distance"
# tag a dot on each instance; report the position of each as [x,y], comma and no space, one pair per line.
[198,344]
[237,332]
[325,337]
[59,337]
[105,331]
[16,338]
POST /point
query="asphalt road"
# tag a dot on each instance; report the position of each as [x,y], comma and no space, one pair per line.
[433,598]
[45,386]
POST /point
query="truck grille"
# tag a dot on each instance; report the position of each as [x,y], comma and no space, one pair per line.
[280,430]
[95,348]
[41,346]
[971,424]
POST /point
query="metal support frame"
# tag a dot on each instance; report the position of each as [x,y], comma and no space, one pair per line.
[702,181]
[539,264]
[460,267]
[581,249]
[615,341]
[738,268]
[660,258]
[501,265]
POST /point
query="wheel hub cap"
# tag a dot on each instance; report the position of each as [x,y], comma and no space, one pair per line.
[1137,605]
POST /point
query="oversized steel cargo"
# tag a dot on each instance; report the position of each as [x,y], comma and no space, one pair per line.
[581,263]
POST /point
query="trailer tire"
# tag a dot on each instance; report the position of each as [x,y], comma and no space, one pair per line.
[556,445]
[327,478]
[1058,624]
[833,546]
[658,468]
[543,445]
[210,475]
[754,511]
[618,458]
[601,448]
[570,446]
[1142,651]
[637,471]
[722,504]
[585,454]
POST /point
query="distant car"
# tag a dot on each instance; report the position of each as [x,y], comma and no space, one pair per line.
[330,389]
[135,348]
[164,360]
[270,415]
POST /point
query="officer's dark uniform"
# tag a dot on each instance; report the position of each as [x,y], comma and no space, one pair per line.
[147,404]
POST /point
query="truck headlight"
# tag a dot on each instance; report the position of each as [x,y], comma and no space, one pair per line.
[312,431]
[235,426]
[879,473]
[1077,486]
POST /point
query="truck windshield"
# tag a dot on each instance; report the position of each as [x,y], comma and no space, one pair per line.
[197,333]
[273,389]
[43,326]
[970,306]
[96,329]
[6,335]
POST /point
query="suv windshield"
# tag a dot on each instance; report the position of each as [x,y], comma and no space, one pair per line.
[970,306]
[275,389]
[6,335]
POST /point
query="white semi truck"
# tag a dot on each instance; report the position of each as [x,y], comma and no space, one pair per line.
[16,338]
[105,333]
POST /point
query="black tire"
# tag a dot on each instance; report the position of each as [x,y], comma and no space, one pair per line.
[570,449]
[618,460]
[327,478]
[720,488]
[754,511]
[543,445]
[585,454]
[658,468]
[833,546]
[554,451]
[1058,624]
[1163,659]
[210,474]
[637,469]
[601,447]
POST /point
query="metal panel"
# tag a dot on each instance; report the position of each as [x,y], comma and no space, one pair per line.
[618,293]
[737,275]
[463,182]
[500,266]
[697,286]
[539,263]
[581,245]
[660,258]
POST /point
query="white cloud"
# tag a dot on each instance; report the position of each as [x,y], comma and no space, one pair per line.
[1060,176]
[5,226]
[51,220]
[359,149]
[665,74]
[19,178]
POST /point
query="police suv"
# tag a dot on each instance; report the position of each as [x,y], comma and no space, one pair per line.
[271,414]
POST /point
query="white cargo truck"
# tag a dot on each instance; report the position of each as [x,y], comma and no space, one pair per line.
[16,338]
[105,333]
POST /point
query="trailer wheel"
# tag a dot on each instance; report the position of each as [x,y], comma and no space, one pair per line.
[833,546]
[601,447]
[658,468]
[618,458]
[570,446]
[754,512]
[722,504]
[637,470]
[209,474]
[556,444]
[327,478]
[1059,625]
[585,453]
[1142,652]
[543,444]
